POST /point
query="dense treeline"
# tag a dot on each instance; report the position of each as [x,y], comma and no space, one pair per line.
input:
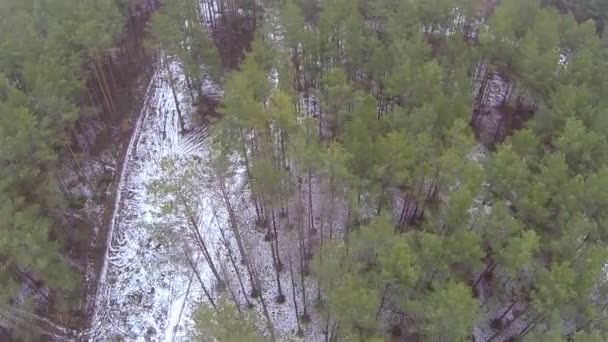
[353,122]
[55,70]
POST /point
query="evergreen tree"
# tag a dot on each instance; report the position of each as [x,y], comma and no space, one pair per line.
[48,51]
[225,323]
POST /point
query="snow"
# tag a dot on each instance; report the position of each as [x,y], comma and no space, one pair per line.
[138,283]
[146,293]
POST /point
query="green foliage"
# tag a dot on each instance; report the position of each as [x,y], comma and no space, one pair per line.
[45,56]
[429,231]
[447,313]
[543,222]
[391,83]
[338,98]
[174,189]
[177,30]
[224,322]
[355,304]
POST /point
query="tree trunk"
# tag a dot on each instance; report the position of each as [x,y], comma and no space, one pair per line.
[327,321]
[237,235]
[496,334]
[331,213]
[530,326]
[497,135]
[189,84]
[200,279]
[107,89]
[111,72]
[234,265]
[295,301]
[410,218]
[79,171]
[201,242]
[383,298]
[102,90]
[280,297]
[305,316]
[311,222]
[232,294]
[380,200]
[301,242]
[507,310]
[349,220]
[491,265]
[279,264]
[404,210]
[269,324]
[174,92]
[249,176]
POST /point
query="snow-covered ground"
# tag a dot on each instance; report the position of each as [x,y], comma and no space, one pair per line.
[137,283]
[145,292]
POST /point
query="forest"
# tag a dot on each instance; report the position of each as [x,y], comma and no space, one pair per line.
[308,170]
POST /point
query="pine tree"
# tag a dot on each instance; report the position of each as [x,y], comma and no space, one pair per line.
[368,123]
[219,173]
[225,323]
[44,63]
[447,313]
[175,192]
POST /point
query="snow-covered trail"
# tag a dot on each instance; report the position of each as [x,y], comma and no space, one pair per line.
[144,293]
[138,285]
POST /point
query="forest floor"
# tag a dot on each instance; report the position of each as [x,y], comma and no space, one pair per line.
[133,278]
[88,179]
[145,291]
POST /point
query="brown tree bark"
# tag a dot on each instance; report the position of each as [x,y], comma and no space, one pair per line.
[174,92]
[198,276]
[295,301]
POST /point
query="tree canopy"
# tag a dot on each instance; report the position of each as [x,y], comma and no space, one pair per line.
[441,166]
